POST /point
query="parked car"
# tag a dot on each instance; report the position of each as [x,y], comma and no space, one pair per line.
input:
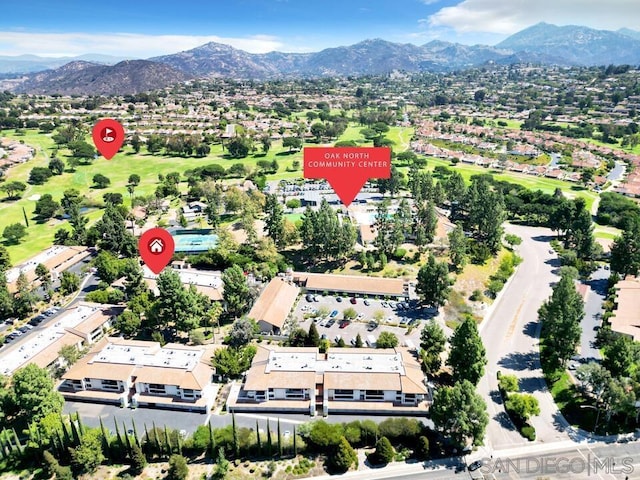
[330,322]
[353,300]
[338,299]
[308,298]
[393,305]
[344,323]
[367,303]
[334,314]
[360,316]
[316,298]
[475,465]
[372,326]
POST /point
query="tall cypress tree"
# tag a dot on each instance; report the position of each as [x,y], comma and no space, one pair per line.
[468,355]
[127,439]
[259,442]
[212,442]
[135,434]
[105,440]
[236,444]
[168,440]
[279,440]
[269,442]
[295,442]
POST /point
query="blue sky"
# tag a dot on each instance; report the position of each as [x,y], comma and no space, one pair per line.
[141,28]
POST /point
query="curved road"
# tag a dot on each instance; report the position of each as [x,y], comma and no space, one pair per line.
[510,333]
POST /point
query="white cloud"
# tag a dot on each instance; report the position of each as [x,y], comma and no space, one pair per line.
[509,16]
[124,44]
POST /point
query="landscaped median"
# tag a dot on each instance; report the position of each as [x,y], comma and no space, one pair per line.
[519,406]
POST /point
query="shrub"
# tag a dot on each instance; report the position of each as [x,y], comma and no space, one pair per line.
[529,432]
[399,253]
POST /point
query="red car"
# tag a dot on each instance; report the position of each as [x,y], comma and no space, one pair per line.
[344,323]
[353,300]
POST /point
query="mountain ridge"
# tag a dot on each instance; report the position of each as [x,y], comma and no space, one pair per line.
[542,43]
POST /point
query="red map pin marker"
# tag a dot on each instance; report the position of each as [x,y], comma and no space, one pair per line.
[156,248]
[108,137]
[347,168]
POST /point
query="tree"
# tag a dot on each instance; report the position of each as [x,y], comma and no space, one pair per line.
[138,459]
[6,299]
[128,323]
[236,290]
[292,143]
[13,189]
[134,179]
[113,234]
[457,247]
[39,175]
[70,354]
[82,151]
[56,166]
[69,283]
[183,306]
[46,207]
[344,457]
[384,452]
[432,342]
[313,337]
[523,405]
[422,449]
[242,332]
[349,313]
[33,394]
[101,181]
[233,362]
[87,457]
[508,383]
[5,261]
[467,357]
[239,147]
[625,251]
[24,298]
[433,282]
[136,143]
[387,340]
[560,317]
[14,232]
[460,413]
[620,356]
[43,273]
[274,220]
[358,341]
[178,468]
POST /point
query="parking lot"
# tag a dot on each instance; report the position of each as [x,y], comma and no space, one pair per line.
[395,317]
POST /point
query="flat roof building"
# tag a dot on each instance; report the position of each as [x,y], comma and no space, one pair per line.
[138,373]
[57,259]
[81,326]
[274,304]
[351,284]
[345,380]
[206,282]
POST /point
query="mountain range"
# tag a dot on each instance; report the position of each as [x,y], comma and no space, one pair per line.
[541,44]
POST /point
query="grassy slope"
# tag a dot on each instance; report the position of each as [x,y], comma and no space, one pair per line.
[148,167]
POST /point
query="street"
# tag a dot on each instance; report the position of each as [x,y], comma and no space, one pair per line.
[510,333]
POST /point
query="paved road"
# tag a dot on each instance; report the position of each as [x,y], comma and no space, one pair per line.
[510,333]
[596,294]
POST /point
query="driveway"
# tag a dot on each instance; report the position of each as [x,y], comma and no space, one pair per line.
[595,296]
[511,332]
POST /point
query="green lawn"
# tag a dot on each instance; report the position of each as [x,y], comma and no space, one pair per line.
[400,136]
[118,169]
[547,185]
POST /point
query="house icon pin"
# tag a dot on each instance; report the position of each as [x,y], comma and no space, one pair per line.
[156,246]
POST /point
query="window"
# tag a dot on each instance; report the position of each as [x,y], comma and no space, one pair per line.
[374,395]
[341,394]
[188,393]
[110,385]
[295,393]
[155,388]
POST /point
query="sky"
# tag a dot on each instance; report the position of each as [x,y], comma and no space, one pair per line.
[143,28]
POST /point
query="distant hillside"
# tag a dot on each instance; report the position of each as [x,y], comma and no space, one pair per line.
[575,45]
[540,44]
[34,63]
[85,78]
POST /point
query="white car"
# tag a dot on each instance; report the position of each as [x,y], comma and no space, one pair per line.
[360,316]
